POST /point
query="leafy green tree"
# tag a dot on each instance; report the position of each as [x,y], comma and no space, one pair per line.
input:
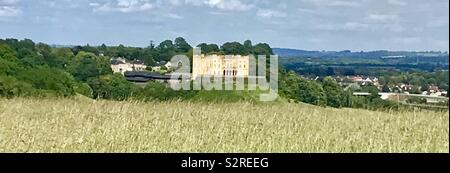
[11,87]
[209,48]
[62,57]
[112,87]
[248,45]
[372,89]
[303,90]
[46,78]
[157,91]
[234,48]
[166,44]
[83,89]
[103,49]
[333,92]
[181,45]
[46,52]
[289,85]
[262,49]
[122,51]
[8,68]
[166,50]
[311,92]
[86,65]
[7,53]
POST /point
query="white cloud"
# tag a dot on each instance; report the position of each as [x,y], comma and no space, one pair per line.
[8,2]
[335,3]
[94,4]
[229,5]
[176,2]
[8,8]
[194,2]
[125,6]
[355,26]
[342,3]
[397,2]
[382,18]
[268,13]
[9,11]
[174,16]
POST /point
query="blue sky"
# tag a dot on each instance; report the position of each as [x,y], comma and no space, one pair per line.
[303,24]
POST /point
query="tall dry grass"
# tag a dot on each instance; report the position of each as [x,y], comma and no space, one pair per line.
[74,125]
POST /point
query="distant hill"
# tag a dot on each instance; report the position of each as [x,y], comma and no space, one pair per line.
[283,52]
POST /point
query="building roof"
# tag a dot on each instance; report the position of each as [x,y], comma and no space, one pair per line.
[161,63]
[117,61]
[139,75]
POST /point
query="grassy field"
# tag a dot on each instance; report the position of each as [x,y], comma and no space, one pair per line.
[78,125]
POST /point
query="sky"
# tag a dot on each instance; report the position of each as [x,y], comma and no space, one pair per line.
[413,25]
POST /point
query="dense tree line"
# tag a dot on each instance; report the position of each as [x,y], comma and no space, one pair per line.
[419,79]
[36,69]
[236,48]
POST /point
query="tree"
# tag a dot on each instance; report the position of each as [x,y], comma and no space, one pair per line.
[8,68]
[372,89]
[47,78]
[262,49]
[9,64]
[333,92]
[11,87]
[7,53]
[112,87]
[203,46]
[166,50]
[234,48]
[46,52]
[181,45]
[103,49]
[157,91]
[209,48]
[167,44]
[83,89]
[303,90]
[248,46]
[311,92]
[62,57]
[122,51]
[86,65]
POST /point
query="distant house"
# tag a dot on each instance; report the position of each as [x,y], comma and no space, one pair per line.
[122,65]
[357,79]
[433,89]
[160,64]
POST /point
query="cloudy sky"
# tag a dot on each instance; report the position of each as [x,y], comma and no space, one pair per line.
[303,24]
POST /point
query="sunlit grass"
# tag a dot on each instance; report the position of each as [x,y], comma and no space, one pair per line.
[75,125]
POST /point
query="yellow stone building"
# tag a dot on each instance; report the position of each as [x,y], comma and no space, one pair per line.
[220,65]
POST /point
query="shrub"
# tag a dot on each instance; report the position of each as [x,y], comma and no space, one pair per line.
[11,87]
